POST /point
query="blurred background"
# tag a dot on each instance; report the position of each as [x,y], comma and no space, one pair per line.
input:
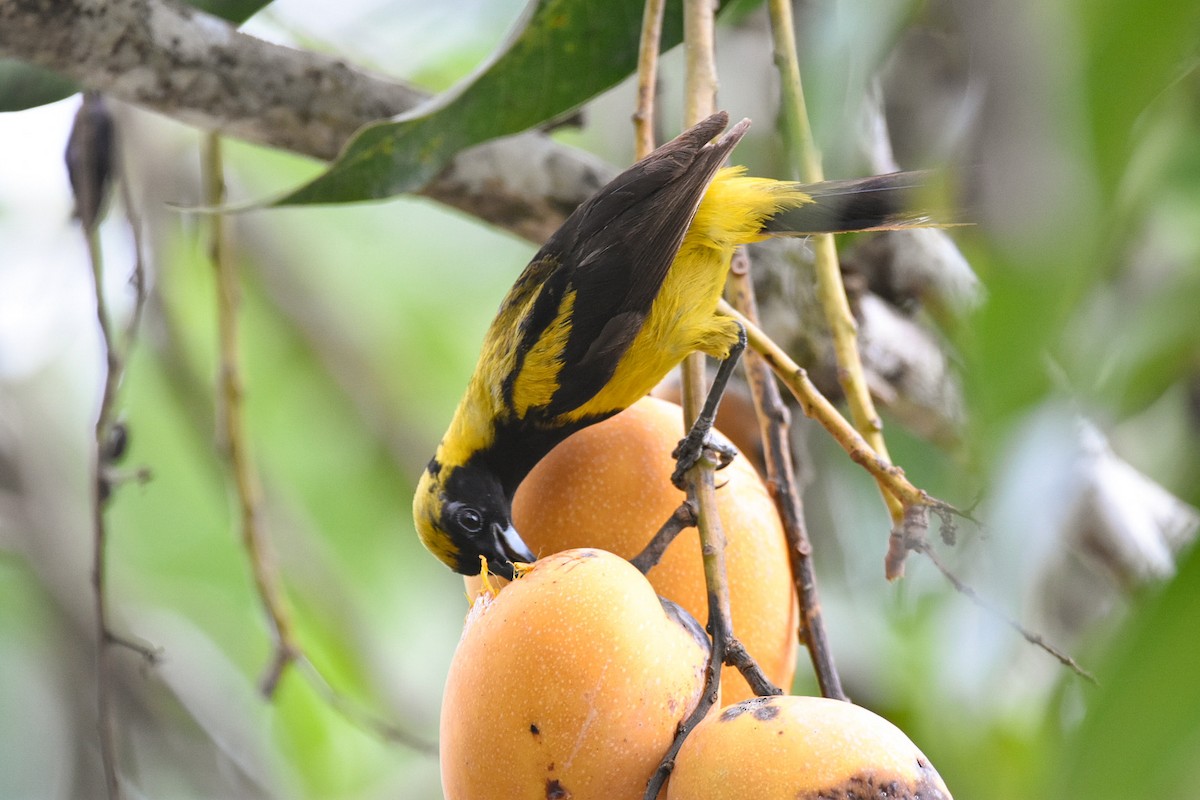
[1065,410]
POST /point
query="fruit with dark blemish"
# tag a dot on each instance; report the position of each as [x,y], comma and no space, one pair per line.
[801,748]
[570,683]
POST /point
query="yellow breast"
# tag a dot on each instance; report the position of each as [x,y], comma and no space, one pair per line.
[683,318]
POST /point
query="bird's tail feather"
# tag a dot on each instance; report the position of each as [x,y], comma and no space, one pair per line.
[881,202]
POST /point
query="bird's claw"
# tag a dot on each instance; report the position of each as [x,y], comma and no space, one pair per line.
[692,448]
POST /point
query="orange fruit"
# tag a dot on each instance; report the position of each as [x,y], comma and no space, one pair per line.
[789,748]
[569,683]
[609,486]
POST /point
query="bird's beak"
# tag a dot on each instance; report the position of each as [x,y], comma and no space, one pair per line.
[514,550]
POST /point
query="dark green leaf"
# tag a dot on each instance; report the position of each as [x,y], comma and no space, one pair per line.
[236,11]
[25,86]
[563,53]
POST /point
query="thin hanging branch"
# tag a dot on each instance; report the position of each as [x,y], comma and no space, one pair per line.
[100,494]
[830,289]
[231,415]
[781,480]
[700,99]
[924,547]
[89,219]
[91,164]
[286,650]
[700,480]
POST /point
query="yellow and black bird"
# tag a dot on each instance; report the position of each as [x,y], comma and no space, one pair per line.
[615,299]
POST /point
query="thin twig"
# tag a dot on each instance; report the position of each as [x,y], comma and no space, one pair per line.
[91,164]
[286,650]
[773,420]
[138,278]
[699,102]
[647,77]
[682,518]
[232,421]
[736,655]
[107,725]
[830,290]
[718,630]
[816,406]
[699,52]
[923,546]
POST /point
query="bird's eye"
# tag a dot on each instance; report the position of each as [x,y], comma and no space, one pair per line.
[470,520]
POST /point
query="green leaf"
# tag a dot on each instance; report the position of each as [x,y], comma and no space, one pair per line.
[562,53]
[25,86]
[1140,737]
[1132,53]
[236,11]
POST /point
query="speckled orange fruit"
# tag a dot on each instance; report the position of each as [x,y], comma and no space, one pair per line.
[801,748]
[609,486]
[568,684]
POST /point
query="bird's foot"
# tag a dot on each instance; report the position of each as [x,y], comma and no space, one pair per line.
[693,447]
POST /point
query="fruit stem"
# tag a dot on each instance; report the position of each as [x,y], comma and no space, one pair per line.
[773,420]
[682,518]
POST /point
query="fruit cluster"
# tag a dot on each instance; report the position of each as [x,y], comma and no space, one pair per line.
[589,670]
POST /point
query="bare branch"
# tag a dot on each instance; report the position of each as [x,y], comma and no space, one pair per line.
[773,420]
[1037,640]
[233,425]
[683,517]
[201,70]
[90,164]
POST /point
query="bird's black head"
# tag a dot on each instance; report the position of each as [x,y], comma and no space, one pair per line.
[462,513]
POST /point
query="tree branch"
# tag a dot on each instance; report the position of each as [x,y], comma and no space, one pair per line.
[201,70]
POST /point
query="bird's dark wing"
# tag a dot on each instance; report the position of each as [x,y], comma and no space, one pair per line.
[614,252]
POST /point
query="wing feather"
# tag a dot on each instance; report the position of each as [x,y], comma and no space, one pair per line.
[619,249]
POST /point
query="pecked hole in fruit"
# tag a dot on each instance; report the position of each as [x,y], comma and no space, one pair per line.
[556,791]
[731,713]
[766,711]
[868,785]
[763,709]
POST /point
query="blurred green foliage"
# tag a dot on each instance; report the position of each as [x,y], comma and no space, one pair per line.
[361,326]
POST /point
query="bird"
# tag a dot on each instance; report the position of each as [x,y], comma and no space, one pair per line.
[615,299]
